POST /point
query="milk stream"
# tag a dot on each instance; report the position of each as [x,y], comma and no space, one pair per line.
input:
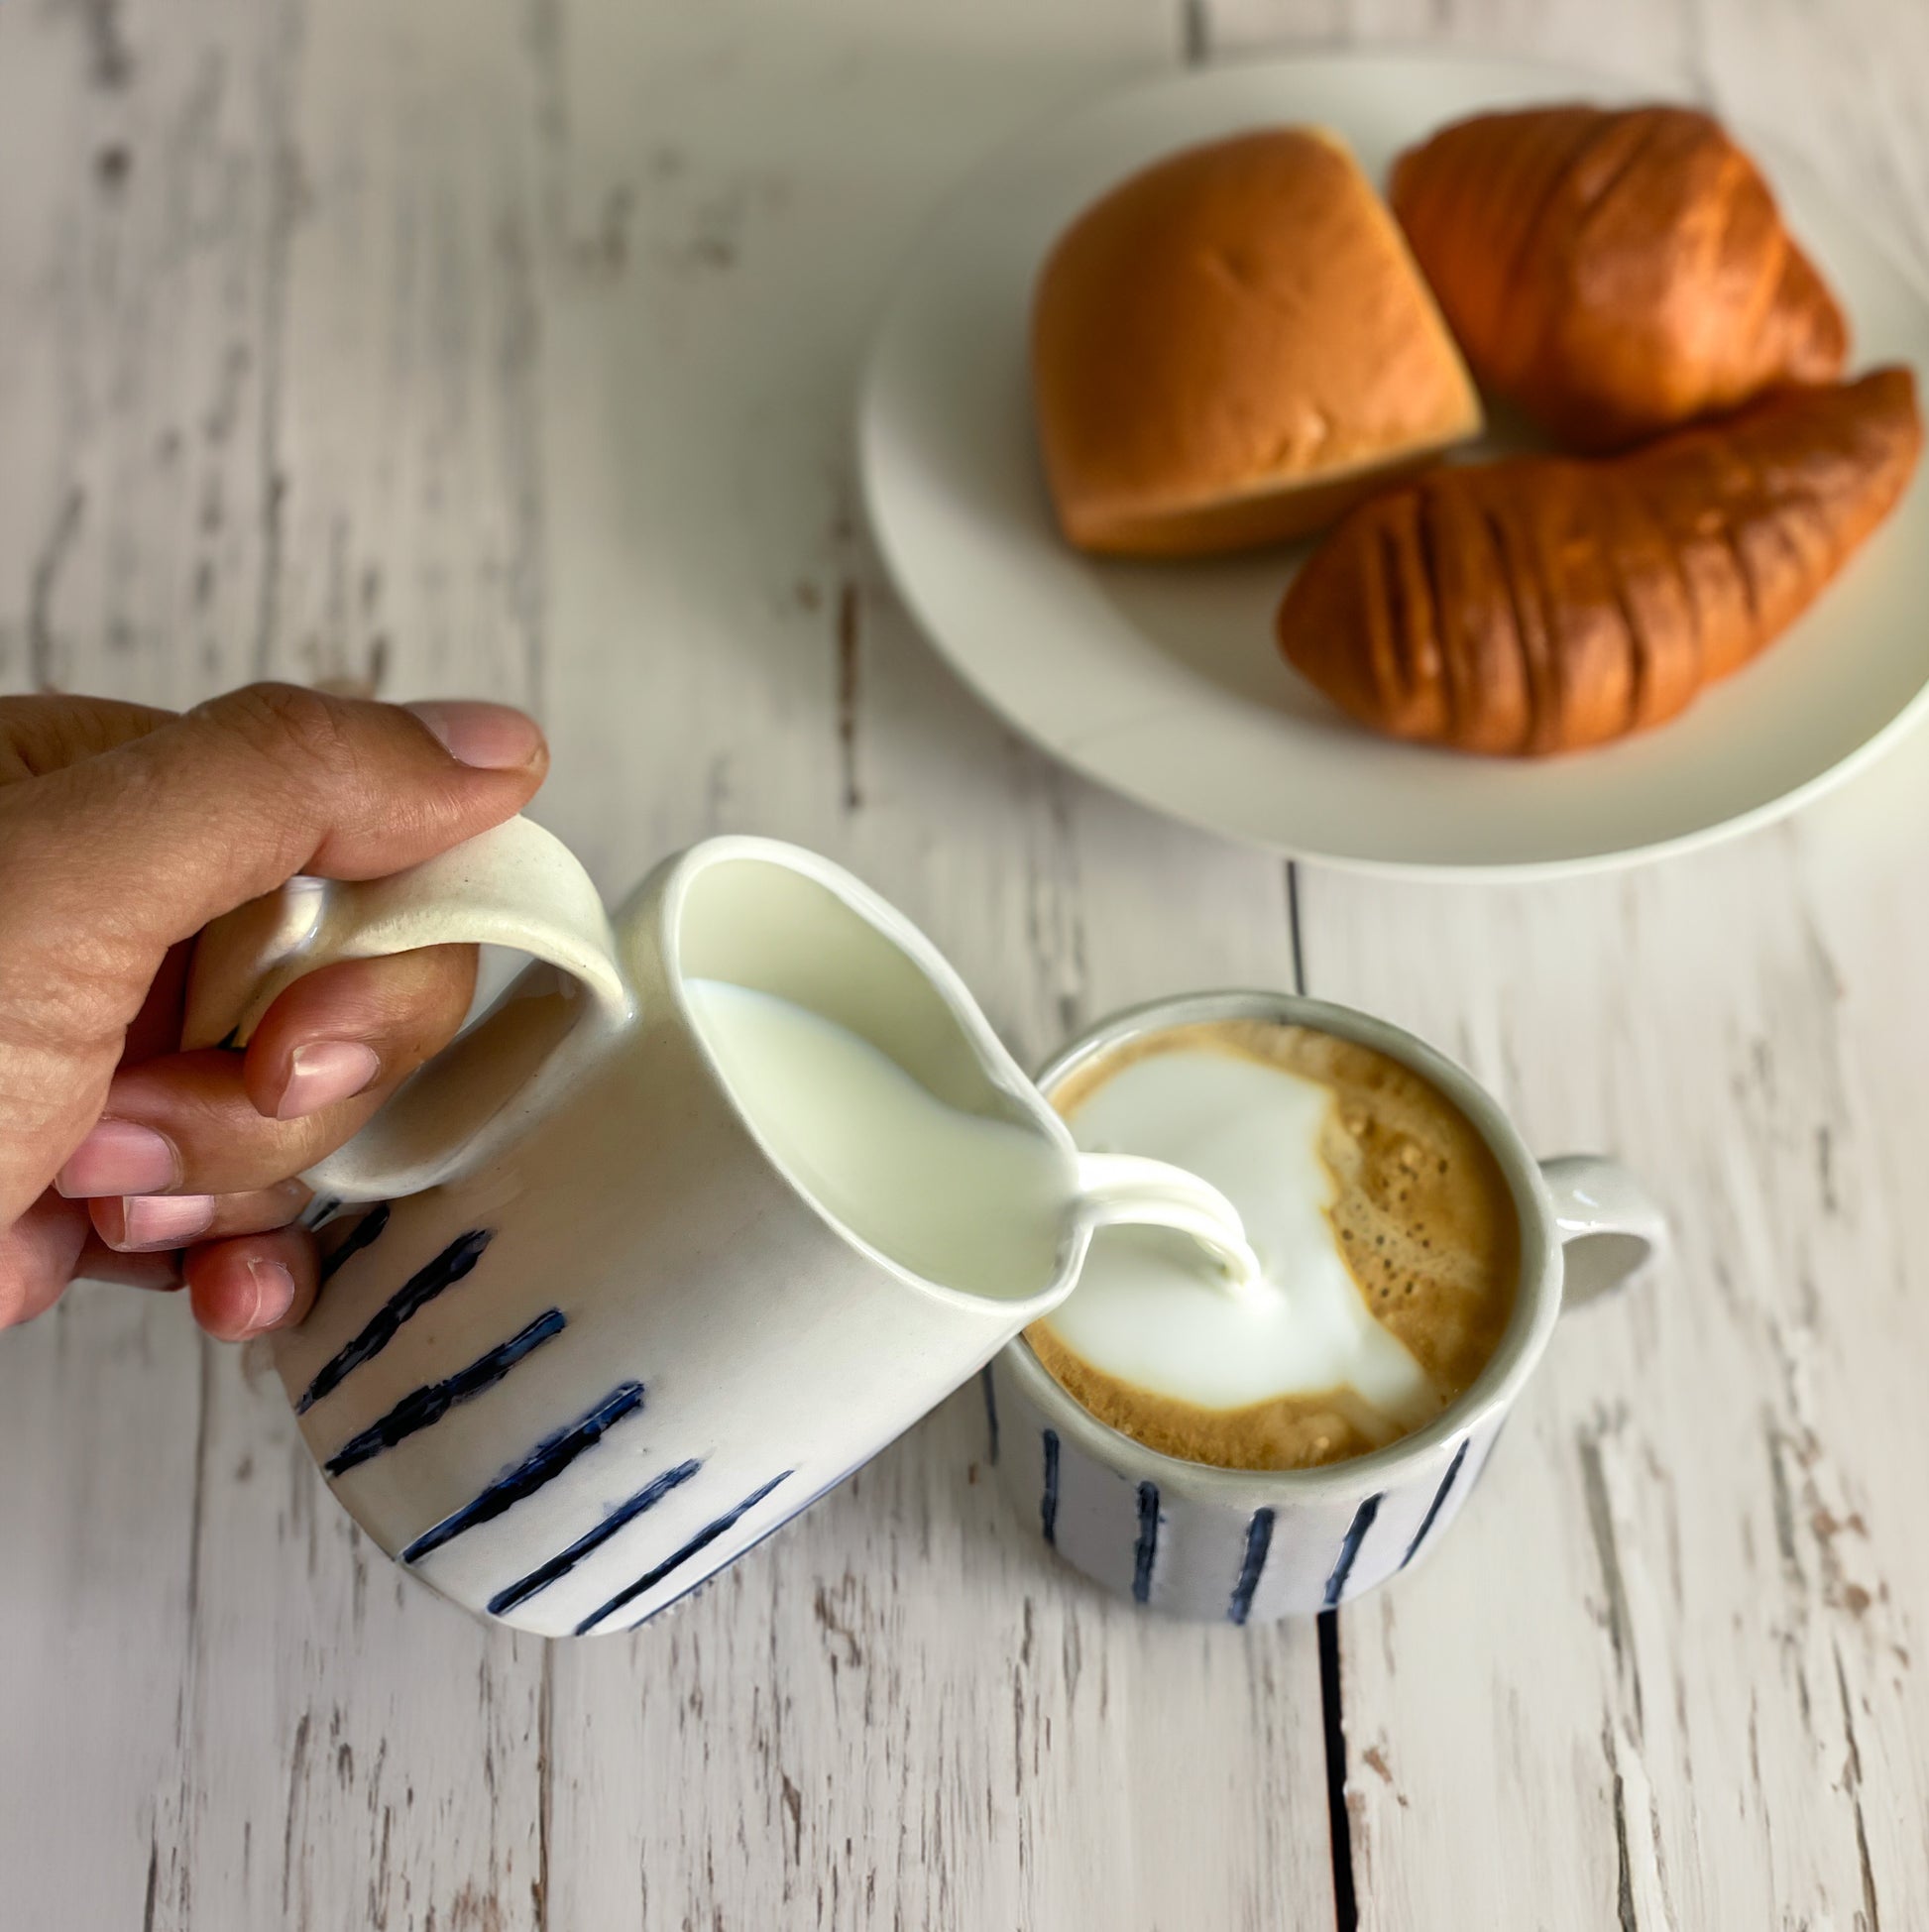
[960,1198]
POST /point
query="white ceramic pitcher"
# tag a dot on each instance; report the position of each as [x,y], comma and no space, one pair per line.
[591,1344]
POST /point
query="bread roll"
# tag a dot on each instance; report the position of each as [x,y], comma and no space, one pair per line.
[1548,602]
[1614,273]
[1233,347]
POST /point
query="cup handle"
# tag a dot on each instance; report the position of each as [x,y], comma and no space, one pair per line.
[1611,1226]
[516,886]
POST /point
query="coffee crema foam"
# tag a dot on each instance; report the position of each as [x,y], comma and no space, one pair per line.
[1418,1214]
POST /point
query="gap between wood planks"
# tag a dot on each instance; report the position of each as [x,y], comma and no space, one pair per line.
[1194,48]
[1346,1903]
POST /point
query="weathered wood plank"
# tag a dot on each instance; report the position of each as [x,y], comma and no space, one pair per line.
[1688,1578]
[1664,1672]
[98,1415]
[512,350]
[895,1712]
[135,227]
[525,424]
[271,376]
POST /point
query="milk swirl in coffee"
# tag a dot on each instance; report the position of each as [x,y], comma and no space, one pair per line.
[1381,1223]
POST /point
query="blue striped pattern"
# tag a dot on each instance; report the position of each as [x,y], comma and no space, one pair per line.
[1350,1549]
[757,1542]
[1259,1539]
[1147,1547]
[364,1234]
[543,1464]
[414,1295]
[423,1407]
[565,1560]
[1439,1496]
[1048,1507]
[704,1537]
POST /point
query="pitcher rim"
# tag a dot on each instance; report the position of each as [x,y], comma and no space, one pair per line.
[994,1059]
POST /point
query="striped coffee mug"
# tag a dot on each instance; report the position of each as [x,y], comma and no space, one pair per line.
[1249,1546]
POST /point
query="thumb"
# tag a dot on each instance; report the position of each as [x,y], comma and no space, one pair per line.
[110,861]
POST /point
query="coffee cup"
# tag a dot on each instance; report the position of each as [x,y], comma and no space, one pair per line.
[585,1340]
[1251,1546]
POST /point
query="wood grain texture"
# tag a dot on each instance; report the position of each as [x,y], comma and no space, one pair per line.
[511,348]
[1686,1715]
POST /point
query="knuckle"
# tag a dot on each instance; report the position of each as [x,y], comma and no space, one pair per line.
[228,1147]
[305,753]
[280,721]
[402,1001]
[16,719]
[419,1014]
[17,1289]
[437,997]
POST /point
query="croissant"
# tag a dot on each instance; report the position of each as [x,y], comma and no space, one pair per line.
[1614,273]
[1547,602]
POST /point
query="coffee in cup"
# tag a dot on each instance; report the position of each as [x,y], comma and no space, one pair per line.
[1387,1234]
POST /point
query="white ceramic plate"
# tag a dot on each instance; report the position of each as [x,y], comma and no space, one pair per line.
[1163,681]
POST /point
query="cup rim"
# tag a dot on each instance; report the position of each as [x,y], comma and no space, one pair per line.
[997,1062]
[1538,1293]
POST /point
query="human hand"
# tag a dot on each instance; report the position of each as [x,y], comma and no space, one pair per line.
[123,831]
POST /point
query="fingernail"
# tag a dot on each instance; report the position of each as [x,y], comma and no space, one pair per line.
[492,737]
[118,1157]
[151,1221]
[322,1072]
[274,1294]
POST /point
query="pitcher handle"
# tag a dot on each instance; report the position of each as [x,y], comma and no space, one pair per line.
[1611,1226]
[516,886]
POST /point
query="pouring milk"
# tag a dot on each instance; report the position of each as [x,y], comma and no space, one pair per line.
[963,1199]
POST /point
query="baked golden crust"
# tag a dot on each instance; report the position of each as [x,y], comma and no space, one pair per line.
[1615,272]
[1545,604]
[1233,347]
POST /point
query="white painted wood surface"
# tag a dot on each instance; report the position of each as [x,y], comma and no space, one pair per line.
[462,345]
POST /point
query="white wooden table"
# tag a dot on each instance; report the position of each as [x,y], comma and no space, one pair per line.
[462,345]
